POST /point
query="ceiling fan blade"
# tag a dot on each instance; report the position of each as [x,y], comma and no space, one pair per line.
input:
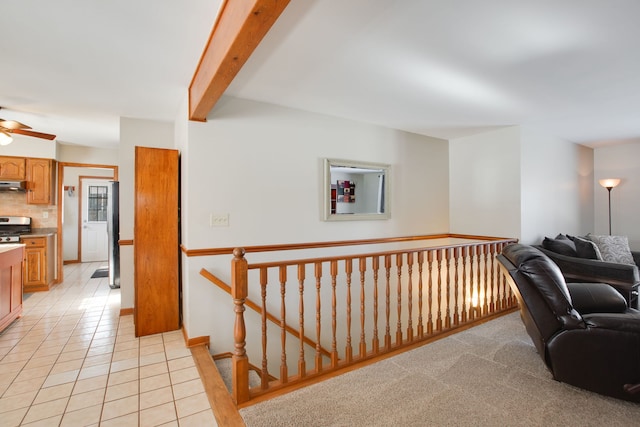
[13,125]
[34,134]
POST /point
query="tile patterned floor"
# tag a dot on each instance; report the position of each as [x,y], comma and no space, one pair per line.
[72,360]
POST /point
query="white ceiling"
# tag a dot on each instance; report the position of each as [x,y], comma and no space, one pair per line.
[444,68]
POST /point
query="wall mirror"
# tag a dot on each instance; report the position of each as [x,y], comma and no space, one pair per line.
[355,190]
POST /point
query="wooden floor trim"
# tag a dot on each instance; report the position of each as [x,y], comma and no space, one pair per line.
[224,409]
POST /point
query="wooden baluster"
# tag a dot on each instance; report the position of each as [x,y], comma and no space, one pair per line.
[479,280]
[430,293]
[456,255]
[420,264]
[284,375]
[447,263]
[239,360]
[485,307]
[302,366]
[399,298]
[439,312]
[264,374]
[387,335]
[465,250]
[492,297]
[505,288]
[472,288]
[375,265]
[363,343]
[318,275]
[348,267]
[501,289]
[334,345]
[410,297]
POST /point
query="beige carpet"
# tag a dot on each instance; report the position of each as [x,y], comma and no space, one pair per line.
[489,375]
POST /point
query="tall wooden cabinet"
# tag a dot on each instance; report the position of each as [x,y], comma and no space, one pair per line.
[156,241]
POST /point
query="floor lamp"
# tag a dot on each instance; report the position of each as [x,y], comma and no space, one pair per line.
[609,183]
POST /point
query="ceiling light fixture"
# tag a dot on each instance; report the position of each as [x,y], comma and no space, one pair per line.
[5,138]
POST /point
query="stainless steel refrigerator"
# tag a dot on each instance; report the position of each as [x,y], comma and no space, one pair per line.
[113,230]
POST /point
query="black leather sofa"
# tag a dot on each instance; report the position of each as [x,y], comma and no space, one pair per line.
[584,332]
[625,278]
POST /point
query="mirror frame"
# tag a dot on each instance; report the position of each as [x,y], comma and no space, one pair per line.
[326,195]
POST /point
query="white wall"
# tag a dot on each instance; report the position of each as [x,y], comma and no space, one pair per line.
[93,155]
[134,132]
[263,165]
[484,180]
[23,146]
[517,182]
[557,187]
[618,161]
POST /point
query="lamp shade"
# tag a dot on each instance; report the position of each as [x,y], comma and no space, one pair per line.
[609,182]
[5,138]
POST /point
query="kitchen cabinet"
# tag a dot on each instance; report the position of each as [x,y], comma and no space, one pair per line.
[11,257]
[39,265]
[12,168]
[156,251]
[41,181]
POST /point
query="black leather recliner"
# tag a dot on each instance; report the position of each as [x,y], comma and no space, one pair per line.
[624,277]
[585,332]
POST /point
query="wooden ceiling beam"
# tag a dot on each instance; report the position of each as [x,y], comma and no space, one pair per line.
[240,27]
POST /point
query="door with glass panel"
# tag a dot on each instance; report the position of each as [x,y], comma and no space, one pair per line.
[95,200]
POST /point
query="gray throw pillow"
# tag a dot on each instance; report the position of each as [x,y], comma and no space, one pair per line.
[560,246]
[613,248]
[586,248]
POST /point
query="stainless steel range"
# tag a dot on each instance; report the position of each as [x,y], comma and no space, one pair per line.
[11,227]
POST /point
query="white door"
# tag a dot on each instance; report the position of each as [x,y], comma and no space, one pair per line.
[95,199]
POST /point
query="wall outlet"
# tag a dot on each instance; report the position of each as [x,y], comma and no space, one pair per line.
[219,220]
[45,214]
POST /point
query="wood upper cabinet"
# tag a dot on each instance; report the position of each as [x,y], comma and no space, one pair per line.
[41,181]
[12,168]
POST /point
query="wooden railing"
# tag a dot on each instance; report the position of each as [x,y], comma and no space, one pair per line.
[363,307]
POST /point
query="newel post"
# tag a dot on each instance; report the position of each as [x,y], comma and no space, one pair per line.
[239,361]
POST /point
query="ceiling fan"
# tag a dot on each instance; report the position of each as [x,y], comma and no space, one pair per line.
[8,127]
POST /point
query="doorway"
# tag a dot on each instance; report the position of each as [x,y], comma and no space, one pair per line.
[94,198]
[70,207]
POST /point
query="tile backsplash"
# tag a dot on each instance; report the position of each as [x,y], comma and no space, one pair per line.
[15,204]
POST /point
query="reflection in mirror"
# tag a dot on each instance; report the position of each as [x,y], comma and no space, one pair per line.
[355,190]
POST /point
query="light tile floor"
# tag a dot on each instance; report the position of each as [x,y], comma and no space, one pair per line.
[71,360]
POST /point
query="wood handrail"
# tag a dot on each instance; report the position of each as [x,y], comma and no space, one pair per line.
[255,307]
[331,244]
[368,254]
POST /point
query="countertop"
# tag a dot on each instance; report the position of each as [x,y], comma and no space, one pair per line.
[6,247]
[40,232]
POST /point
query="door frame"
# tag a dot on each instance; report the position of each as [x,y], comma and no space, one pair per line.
[59,198]
[80,208]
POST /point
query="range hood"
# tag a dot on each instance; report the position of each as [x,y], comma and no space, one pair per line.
[13,186]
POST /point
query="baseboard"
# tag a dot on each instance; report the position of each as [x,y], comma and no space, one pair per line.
[193,342]
[126,311]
